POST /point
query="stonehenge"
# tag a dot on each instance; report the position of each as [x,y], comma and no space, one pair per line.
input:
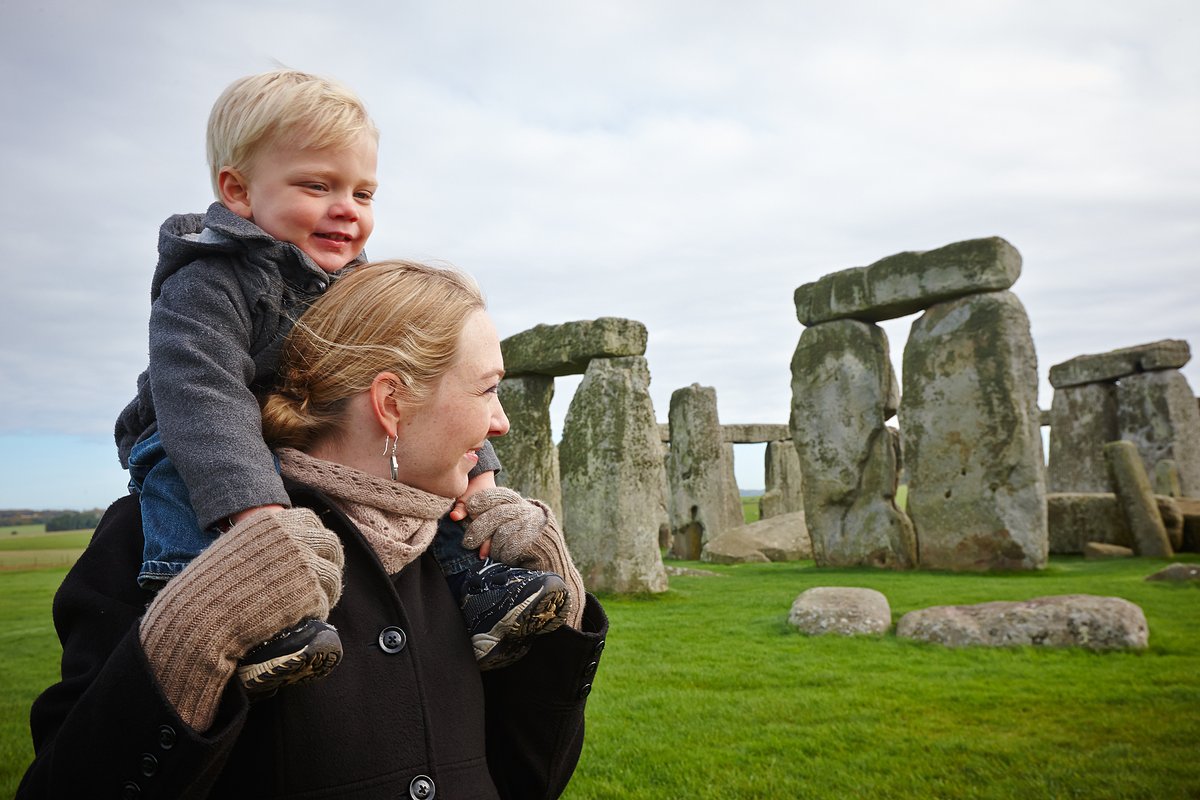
[969,425]
[609,462]
[1124,440]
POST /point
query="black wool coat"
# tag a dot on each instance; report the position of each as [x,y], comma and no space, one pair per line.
[405,714]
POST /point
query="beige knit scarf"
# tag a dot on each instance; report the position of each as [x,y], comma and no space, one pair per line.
[398,521]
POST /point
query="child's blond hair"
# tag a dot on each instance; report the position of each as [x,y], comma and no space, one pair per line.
[281,107]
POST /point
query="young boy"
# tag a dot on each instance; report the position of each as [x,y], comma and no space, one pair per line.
[292,159]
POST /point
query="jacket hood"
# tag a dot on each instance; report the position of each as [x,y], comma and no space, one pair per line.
[185,238]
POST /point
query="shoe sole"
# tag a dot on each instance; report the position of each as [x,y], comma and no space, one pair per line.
[507,641]
[313,661]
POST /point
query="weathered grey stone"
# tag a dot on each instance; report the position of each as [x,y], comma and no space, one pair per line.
[1097,551]
[784,490]
[782,538]
[1116,364]
[909,282]
[972,444]
[1076,620]
[1157,412]
[1189,507]
[1177,573]
[1166,478]
[704,499]
[566,349]
[1137,502]
[1083,420]
[1076,518]
[843,390]
[752,433]
[1172,519]
[611,463]
[842,610]
[527,453]
[755,433]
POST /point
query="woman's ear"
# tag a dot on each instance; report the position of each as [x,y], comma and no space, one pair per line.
[234,191]
[387,401]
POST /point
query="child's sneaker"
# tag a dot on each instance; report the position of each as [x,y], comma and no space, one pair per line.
[306,652]
[504,606]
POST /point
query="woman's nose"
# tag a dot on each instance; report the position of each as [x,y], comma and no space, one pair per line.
[499,421]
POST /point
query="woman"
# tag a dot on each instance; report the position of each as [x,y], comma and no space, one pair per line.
[388,389]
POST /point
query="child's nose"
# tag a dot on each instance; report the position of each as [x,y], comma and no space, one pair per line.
[344,207]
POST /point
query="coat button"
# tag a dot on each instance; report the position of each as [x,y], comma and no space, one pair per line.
[585,690]
[149,765]
[130,791]
[422,788]
[392,640]
[166,737]
[590,670]
[599,648]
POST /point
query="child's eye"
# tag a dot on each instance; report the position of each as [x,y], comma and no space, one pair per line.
[365,196]
[316,187]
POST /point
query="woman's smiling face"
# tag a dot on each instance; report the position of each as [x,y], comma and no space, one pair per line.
[437,441]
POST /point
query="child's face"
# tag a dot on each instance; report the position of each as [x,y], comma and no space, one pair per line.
[319,200]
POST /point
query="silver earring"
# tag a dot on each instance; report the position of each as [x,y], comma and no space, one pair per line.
[395,441]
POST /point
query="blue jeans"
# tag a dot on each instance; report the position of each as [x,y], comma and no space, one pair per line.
[172,533]
[448,548]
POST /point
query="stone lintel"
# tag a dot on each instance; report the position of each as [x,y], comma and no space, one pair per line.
[1117,364]
[567,348]
[752,433]
[909,282]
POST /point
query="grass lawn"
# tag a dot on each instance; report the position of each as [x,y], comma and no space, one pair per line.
[705,691]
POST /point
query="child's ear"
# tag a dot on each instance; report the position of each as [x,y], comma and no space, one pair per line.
[235,192]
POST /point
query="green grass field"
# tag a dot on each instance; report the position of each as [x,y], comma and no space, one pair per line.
[705,691]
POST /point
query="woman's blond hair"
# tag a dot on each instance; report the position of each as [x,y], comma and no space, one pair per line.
[402,317]
[283,107]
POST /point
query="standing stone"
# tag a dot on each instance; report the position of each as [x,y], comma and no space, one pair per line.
[611,460]
[843,390]
[784,483]
[704,499]
[1082,420]
[1157,412]
[1132,487]
[528,456]
[1166,478]
[972,442]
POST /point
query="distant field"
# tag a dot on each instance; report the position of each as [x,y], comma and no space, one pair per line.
[35,549]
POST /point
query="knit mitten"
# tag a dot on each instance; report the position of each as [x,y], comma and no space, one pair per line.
[267,573]
[524,533]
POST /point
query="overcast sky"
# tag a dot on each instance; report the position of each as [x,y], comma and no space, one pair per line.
[685,164]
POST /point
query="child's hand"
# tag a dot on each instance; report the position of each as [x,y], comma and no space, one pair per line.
[484,480]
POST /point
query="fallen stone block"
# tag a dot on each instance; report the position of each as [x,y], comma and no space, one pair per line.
[1075,620]
[1076,518]
[1098,551]
[909,282]
[842,610]
[781,538]
[1116,364]
[567,348]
